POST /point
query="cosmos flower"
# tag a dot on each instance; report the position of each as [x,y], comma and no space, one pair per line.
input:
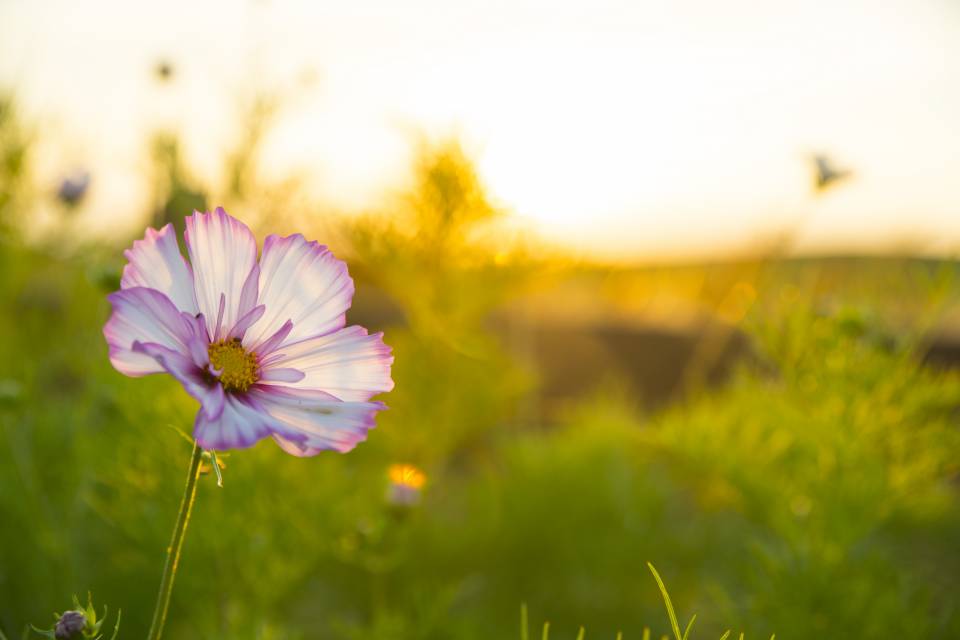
[262,345]
[406,484]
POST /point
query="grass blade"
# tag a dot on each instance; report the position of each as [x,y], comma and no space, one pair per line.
[666,600]
[116,627]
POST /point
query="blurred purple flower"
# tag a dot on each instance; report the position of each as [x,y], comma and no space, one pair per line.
[262,346]
[73,187]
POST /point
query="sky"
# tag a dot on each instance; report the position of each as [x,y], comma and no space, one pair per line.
[625,129]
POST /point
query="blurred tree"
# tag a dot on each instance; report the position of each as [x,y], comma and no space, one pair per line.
[435,247]
[257,117]
[175,192]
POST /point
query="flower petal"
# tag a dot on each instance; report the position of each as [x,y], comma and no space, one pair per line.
[156,263]
[146,316]
[224,257]
[244,323]
[348,363]
[182,367]
[308,422]
[303,282]
[269,346]
[240,425]
[199,342]
[277,374]
[295,448]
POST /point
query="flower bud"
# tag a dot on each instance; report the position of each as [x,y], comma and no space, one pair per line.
[73,187]
[80,623]
[70,625]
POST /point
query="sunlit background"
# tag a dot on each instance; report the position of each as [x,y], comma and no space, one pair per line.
[621,129]
[665,281]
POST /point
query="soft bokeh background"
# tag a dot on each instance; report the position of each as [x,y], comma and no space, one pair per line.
[667,282]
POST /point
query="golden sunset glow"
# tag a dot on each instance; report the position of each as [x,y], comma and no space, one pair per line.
[618,128]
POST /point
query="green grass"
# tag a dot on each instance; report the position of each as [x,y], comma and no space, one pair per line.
[668,604]
[814,494]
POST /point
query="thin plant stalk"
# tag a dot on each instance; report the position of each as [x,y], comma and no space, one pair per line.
[176,544]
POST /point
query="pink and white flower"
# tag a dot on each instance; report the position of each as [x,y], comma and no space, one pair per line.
[262,345]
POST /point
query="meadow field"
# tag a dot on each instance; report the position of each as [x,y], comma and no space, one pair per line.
[777,436]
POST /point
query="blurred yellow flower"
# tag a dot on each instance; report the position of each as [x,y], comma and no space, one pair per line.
[406,481]
[406,475]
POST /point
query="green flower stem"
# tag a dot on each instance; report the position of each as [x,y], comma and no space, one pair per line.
[176,543]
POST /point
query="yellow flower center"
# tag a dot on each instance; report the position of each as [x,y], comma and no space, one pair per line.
[237,367]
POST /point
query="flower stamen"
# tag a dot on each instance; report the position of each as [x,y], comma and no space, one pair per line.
[238,368]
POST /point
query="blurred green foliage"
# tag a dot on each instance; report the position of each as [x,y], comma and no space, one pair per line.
[175,190]
[14,163]
[815,494]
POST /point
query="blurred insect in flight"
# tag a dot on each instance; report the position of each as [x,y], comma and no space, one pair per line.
[825,172]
